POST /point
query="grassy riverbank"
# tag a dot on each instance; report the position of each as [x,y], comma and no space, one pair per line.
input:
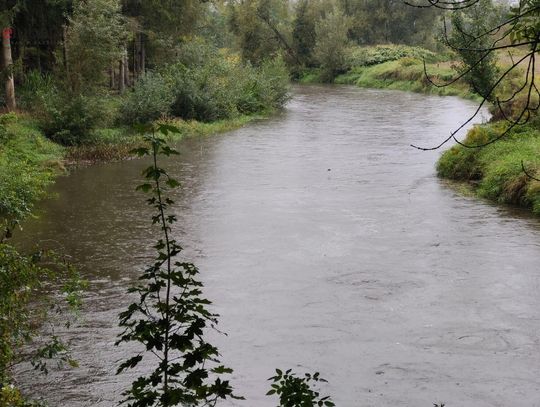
[115,144]
[496,171]
[397,67]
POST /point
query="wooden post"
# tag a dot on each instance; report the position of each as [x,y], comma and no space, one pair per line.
[8,64]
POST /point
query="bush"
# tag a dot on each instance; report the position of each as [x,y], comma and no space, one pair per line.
[205,93]
[220,86]
[151,98]
[70,119]
[367,56]
[207,89]
[264,88]
[34,90]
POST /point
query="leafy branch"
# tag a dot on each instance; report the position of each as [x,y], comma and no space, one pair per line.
[171,314]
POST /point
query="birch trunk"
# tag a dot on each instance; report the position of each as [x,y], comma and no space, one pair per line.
[8,64]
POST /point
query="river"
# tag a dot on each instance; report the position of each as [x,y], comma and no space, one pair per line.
[327,244]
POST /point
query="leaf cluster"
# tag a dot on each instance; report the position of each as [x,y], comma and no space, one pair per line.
[295,391]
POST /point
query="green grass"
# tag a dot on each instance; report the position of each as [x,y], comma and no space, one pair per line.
[496,169]
[406,74]
[28,163]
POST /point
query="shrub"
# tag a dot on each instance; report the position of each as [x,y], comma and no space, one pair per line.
[265,87]
[205,93]
[367,56]
[150,99]
[70,119]
[34,90]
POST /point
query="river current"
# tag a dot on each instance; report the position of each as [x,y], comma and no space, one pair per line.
[326,244]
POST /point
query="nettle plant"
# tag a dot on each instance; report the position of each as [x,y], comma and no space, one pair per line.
[294,391]
[170,316]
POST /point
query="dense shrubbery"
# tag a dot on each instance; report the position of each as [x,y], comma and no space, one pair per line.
[65,117]
[366,56]
[208,88]
[71,119]
[150,99]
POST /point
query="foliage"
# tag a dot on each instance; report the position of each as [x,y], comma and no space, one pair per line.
[35,90]
[304,35]
[332,43]
[367,56]
[263,88]
[207,85]
[20,277]
[150,99]
[70,119]
[23,175]
[406,74]
[171,315]
[206,92]
[389,21]
[95,39]
[261,28]
[294,391]
[480,71]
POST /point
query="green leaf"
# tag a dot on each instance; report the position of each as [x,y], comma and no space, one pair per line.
[172,183]
[144,188]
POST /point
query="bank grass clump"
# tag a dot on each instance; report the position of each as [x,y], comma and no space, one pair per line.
[496,170]
[407,74]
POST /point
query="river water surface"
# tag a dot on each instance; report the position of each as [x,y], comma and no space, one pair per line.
[327,244]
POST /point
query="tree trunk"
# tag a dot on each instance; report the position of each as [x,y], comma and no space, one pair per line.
[136,59]
[64,48]
[143,55]
[122,76]
[112,76]
[127,81]
[8,65]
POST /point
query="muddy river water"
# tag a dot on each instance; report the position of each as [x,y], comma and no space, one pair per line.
[327,244]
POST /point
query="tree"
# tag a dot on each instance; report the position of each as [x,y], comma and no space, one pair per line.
[383,21]
[304,35]
[8,67]
[518,35]
[259,27]
[467,25]
[6,17]
[96,35]
[332,43]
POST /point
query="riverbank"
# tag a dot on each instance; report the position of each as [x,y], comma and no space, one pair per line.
[398,67]
[116,144]
[496,171]
[29,161]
